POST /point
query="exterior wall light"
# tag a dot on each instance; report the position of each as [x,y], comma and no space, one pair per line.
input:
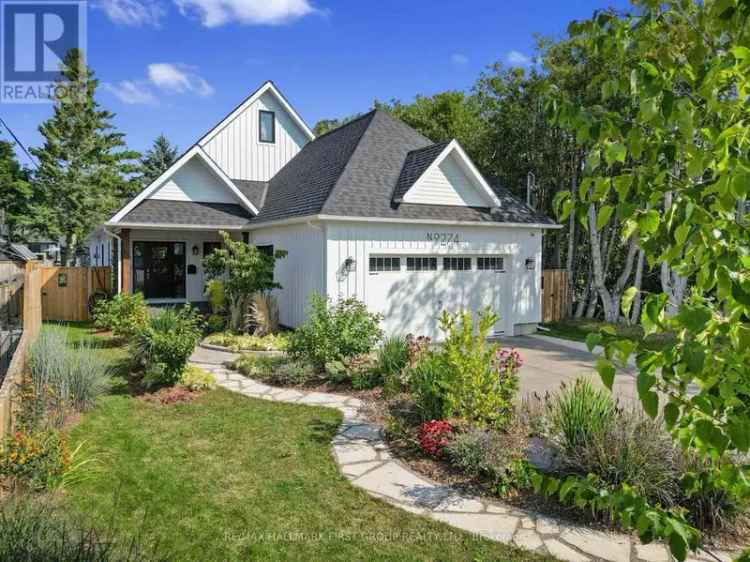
[530,264]
[196,250]
[350,264]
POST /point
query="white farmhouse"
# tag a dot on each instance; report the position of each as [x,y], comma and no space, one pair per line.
[372,210]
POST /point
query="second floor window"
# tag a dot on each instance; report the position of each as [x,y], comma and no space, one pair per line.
[267,128]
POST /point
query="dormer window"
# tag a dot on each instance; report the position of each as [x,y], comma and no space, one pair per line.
[267,128]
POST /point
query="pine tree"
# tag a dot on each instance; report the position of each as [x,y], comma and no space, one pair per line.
[16,193]
[157,159]
[85,171]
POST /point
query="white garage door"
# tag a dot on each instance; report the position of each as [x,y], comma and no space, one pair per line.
[412,291]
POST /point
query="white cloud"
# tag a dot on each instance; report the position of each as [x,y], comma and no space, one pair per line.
[132,92]
[458,59]
[517,58]
[214,13]
[178,79]
[132,12]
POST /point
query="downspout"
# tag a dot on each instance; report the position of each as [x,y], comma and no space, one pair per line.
[119,259]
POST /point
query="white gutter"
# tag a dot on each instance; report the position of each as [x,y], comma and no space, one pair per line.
[119,258]
[163,226]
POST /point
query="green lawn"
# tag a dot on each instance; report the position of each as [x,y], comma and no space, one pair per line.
[577,330]
[232,478]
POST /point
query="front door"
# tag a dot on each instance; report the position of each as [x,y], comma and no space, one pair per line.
[159,269]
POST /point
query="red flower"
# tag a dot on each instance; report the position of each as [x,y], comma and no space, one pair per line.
[434,436]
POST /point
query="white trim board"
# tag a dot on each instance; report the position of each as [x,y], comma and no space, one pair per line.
[195,150]
[266,87]
[342,218]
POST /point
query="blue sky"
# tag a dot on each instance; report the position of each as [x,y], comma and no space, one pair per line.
[179,66]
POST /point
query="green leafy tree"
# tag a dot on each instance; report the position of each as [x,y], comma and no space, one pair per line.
[157,159]
[85,171]
[16,193]
[675,167]
[326,125]
[244,270]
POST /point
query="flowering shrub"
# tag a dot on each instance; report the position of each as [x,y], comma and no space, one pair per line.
[418,346]
[34,459]
[434,437]
[508,361]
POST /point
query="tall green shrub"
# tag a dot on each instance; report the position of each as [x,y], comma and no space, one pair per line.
[163,348]
[334,332]
[125,314]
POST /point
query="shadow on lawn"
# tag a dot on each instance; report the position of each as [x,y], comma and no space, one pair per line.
[323,430]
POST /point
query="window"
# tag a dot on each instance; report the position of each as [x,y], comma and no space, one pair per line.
[490,263]
[421,264]
[385,264]
[266,250]
[457,264]
[210,247]
[246,237]
[267,126]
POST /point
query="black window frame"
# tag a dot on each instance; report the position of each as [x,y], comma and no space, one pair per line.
[417,263]
[262,112]
[450,261]
[490,263]
[265,249]
[210,247]
[384,264]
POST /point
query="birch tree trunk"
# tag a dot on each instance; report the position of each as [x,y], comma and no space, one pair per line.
[569,258]
[635,311]
[672,283]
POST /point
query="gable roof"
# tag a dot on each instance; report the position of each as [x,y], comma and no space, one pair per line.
[255,191]
[268,86]
[194,151]
[416,164]
[356,170]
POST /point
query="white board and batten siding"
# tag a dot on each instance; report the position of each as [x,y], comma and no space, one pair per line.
[302,272]
[194,181]
[411,301]
[447,184]
[236,148]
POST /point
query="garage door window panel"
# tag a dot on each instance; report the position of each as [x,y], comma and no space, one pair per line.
[384,264]
[421,263]
[457,264]
[490,263]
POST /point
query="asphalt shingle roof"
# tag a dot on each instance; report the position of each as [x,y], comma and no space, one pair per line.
[254,190]
[159,211]
[359,168]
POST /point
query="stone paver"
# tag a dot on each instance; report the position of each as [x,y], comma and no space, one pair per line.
[364,459]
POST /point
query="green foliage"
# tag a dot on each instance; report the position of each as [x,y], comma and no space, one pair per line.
[478,390]
[430,381]
[64,376]
[488,453]
[157,160]
[335,332]
[276,370]
[393,356]
[579,412]
[682,76]
[84,171]
[215,323]
[244,342]
[33,460]
[163,348]
[217,296]
[32,529]
[243,270]
[125,314]
[17,194]
[196,379]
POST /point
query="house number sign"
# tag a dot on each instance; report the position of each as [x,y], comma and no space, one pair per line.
[443,238]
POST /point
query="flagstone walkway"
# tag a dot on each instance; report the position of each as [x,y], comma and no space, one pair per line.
[363,457]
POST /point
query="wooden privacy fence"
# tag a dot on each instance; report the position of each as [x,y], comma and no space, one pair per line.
[555,295]
[31,305]
[66,291]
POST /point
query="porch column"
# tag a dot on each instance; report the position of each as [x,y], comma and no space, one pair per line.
[125,261]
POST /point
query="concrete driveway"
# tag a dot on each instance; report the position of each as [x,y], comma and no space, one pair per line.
[548,362]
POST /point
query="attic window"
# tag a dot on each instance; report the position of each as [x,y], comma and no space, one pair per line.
[267,126]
